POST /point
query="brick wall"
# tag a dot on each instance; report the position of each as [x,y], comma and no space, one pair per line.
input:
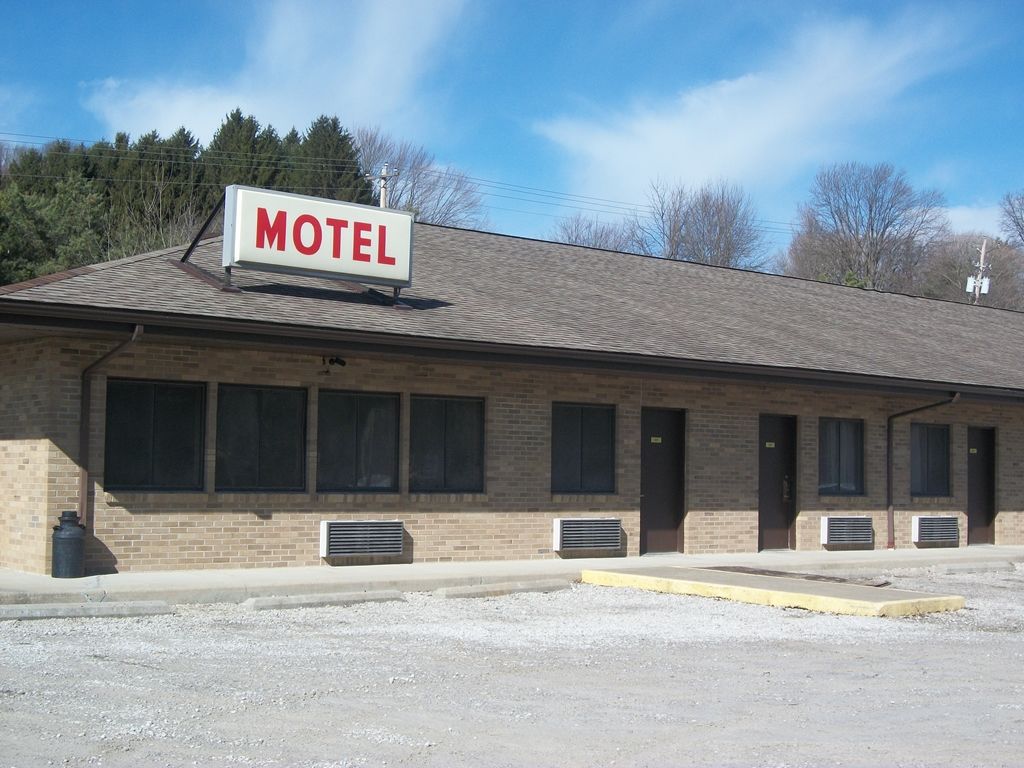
[26,454]
[245,529]
[512,518]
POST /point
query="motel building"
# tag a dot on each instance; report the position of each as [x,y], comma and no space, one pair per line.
[332,383]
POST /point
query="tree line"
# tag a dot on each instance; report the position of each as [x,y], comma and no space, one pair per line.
[69,204]
[861,225]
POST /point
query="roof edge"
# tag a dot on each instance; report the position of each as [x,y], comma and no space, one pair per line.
[58,317]
[86,269]
[53,277]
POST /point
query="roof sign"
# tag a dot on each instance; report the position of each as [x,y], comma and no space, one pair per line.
[295,234]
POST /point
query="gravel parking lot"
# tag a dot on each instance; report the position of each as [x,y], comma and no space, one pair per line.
[585,677]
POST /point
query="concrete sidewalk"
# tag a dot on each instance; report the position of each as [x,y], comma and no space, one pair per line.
[779,590]
[238,585]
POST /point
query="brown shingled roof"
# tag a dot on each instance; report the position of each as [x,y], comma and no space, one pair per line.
[475,287]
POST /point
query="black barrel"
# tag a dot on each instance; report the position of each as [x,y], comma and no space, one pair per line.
[68,547]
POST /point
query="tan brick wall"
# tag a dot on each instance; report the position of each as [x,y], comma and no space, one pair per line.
[23,517]
[274,529]
[26,455]
[512,518]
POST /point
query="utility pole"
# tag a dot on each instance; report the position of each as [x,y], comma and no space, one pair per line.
[386,174]
[978,282]
[382,179]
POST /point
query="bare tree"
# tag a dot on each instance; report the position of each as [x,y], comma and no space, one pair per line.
[156,213]
[8,154]
[659,232]
[593,232]
[436,194]
[720,228]
[951,261]
[1013,217]
[865,225]
[144,226]
[715,224]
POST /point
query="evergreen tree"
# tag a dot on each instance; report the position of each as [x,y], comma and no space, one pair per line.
[39,172]
[76,223]
[156,201]
[66,204]
[241,152]
[328,165]
[41,233]
[291,151]
[22,248]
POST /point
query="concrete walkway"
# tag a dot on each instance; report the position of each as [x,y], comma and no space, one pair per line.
[779,590]
[239,585]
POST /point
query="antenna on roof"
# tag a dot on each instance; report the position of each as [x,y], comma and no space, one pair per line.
[978,282]
[382,179]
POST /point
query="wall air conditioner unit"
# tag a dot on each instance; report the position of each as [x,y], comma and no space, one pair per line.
[575,533]
[344,538]
[935,529]
[854,530]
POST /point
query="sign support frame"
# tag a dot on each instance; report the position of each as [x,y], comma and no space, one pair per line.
[202,230]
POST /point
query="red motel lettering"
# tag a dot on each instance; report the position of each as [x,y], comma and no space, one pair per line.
[275,232]
[382,241]
[318,234]
[307,236]
[336,226]
[358,254]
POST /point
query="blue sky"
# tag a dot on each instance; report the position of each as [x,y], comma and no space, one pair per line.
[593,99]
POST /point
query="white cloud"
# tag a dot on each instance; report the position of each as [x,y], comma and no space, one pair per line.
[762,128]
[137,108]
[974,218]
[362,60]
[13,102]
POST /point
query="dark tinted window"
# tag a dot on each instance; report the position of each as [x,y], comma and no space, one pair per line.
[261,438]
[582,448]
[154,435]
[357,442]
[446,444]
[840,456]
[929,459]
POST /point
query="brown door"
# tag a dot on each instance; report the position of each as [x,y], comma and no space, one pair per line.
[981,485]
[777,481]
[661,480]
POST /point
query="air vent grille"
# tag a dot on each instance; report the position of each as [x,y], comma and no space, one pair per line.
[587,533]
[847,530]
[339,538]
[928,529]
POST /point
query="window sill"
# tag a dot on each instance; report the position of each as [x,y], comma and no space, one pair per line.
[123,491]
[451,497]
[118,496]
[582,498]
[259,492]
[354,496]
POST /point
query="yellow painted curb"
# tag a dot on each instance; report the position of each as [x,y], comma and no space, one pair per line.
[777,598]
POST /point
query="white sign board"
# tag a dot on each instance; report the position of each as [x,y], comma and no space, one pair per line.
[280,232]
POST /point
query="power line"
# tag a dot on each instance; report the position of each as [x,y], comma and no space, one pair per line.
[223,159]
[310,189]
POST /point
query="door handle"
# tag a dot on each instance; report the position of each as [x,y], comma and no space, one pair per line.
[786,488]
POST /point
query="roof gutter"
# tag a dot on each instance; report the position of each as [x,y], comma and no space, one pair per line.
[34,314]
[890,507]
[85,419]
